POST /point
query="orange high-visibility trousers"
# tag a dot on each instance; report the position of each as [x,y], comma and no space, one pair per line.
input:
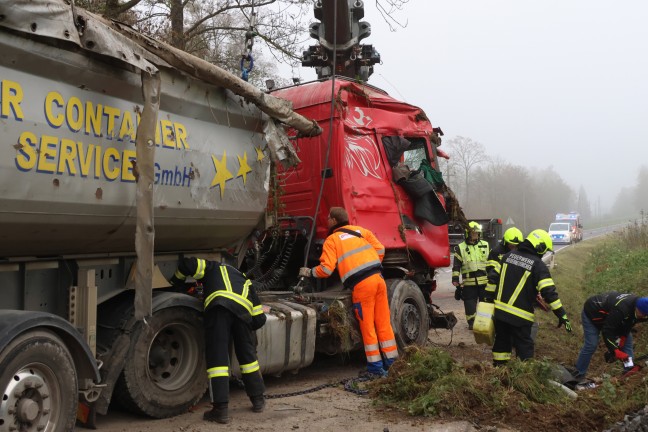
[371,308]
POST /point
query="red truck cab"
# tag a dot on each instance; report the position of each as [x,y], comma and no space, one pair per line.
[358,174]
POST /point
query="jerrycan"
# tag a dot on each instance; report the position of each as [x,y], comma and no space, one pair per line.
[484,326]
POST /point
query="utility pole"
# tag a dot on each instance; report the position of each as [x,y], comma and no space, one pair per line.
[524,211]
[448,173]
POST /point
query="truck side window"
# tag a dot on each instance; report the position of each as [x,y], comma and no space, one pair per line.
[413,157]
[409,151]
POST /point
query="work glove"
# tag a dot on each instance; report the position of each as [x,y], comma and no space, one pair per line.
[305,272]
[458,293]
[622,341]
[488,299]
[620,355]
[565,321]
[617,354]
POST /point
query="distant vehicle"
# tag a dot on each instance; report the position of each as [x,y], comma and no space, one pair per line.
[574,221]
[561,233]
[492,231]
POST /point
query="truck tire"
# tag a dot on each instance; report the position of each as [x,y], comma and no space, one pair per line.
[409,314]
[164,374]
[38,383]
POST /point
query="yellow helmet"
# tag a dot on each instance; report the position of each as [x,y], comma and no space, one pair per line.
[513,236]
[540,240]
[474,227]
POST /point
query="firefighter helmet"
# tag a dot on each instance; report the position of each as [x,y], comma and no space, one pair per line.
[540,240]
[473,227]
[513,236]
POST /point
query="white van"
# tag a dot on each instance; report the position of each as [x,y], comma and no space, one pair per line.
[561,233]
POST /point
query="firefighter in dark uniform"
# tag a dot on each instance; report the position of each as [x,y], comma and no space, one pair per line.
[470,261]
[232,311]
[512,238]
[613,315]
[513,287]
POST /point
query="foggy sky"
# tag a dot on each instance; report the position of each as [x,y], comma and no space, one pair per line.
[560,83]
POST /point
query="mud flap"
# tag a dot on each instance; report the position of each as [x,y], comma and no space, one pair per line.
[440,319]
[87,415]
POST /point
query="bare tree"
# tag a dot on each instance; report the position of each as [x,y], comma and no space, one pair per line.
[501,189]
[465,155]
[641,190]
[551,195]
[222,31]
[583,205]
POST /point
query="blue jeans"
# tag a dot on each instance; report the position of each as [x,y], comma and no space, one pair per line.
[591,335]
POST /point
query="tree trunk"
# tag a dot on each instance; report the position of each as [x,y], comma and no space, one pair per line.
[177,25]
[112,9]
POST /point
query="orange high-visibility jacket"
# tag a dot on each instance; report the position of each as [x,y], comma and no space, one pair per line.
[355,256]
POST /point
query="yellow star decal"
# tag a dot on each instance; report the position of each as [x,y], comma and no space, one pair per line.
[222,174]
[244,167]
[260,154]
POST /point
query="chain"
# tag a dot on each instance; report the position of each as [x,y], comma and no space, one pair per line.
[349,384]
[301,392]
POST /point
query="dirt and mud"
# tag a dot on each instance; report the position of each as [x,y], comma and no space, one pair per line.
[330,409]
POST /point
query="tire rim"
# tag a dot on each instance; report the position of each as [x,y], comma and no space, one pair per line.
[28,400]
[173,356]
[410,322]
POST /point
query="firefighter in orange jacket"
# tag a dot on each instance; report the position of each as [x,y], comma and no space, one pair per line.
[358,255]
[232,312]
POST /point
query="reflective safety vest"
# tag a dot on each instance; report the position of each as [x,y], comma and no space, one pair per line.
[225,286]
[470,261]
[355,251]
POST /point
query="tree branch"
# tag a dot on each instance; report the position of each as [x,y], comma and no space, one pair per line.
[190,31]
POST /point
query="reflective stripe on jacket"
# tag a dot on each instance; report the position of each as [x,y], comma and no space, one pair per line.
[470,262]
[225,286]
[522,276]
[355,256]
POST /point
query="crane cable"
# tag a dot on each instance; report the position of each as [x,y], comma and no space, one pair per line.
[328,146]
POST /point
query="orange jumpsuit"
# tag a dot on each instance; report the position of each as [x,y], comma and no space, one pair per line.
[357,254]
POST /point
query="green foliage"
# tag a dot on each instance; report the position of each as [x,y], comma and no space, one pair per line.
[428,382]
[620,263]
[607,392]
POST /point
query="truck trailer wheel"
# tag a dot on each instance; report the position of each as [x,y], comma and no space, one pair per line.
[164,374]
[38,383]
[409,315]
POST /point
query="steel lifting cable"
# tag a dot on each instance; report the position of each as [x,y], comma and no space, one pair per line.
[328,146]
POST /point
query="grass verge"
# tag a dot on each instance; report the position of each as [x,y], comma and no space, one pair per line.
[428,382]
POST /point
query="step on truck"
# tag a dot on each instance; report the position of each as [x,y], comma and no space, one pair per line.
[120,155]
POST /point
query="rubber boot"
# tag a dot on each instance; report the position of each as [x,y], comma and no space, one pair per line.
[258,403]
[218,414]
